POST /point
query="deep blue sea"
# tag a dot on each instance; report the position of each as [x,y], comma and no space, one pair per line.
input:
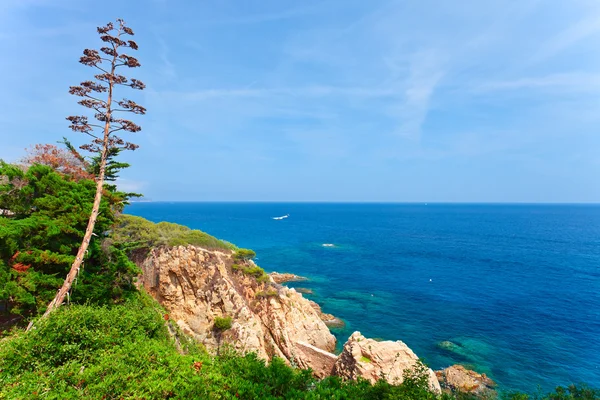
[515,287]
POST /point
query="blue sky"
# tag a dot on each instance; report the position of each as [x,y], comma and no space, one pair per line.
[345,100]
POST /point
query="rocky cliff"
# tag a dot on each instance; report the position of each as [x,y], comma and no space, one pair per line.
[197,286]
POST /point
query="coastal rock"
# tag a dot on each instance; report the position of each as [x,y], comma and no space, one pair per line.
[373,360]
[285,277]
[329,319]
[196,286]
[457,378]
[304,290]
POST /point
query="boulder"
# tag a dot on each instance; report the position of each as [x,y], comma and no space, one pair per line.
[457,378]
[373,360]
[285,277]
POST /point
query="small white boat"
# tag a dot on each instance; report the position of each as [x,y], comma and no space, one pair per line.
[282,217]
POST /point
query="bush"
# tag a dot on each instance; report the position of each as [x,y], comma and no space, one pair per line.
[266,293]
[222,324]
[136,233]
[244,254]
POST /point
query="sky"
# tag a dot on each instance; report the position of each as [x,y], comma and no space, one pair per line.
[327,100]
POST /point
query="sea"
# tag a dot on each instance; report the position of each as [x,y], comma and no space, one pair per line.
[512,291]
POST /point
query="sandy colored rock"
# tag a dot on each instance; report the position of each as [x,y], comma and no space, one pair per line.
[460,379]
[285,277]
[373,360]
[196,286]
[322,362]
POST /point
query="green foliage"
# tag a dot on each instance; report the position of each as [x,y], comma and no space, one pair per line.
[263,278]
[222,323]
[40,236]
[249,268]
[125,352]
[244,255]
[570,392]
[254,271]
[136,233]
[266,293]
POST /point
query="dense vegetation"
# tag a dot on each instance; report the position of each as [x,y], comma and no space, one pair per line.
[125,351]
[136,233]
[45,214]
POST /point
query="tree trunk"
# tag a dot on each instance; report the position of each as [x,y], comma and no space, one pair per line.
[62,292]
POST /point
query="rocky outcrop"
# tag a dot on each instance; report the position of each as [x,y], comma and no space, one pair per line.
[285,277]
[373,360]
[196,286]
[460,379]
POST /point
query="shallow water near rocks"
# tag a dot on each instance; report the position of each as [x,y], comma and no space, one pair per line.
[515,288]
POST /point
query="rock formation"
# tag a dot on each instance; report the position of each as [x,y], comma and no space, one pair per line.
[196,286]
[373,360]
[285,277]
[460,379]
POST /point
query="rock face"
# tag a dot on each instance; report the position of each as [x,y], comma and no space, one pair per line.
[460,379]
[196,286]
[285,277]
[373,360]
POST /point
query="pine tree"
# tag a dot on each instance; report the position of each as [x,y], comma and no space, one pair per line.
[98,96]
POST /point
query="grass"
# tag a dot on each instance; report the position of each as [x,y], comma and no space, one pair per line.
[135,233]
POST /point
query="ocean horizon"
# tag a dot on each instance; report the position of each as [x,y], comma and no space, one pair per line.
[509,289]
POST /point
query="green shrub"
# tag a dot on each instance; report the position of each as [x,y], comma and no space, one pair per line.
[136,233]
[244,254]
[266,293]
[264,278]
[222,323]
[254,271]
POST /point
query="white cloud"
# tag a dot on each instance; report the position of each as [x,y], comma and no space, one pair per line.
[582,29]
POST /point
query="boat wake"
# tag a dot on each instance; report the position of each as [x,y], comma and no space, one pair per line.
[282,217]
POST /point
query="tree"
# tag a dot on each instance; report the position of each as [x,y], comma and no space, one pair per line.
[64,161]
[105,112]
[41,234]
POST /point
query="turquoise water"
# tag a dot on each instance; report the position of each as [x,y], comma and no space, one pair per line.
[515,288]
